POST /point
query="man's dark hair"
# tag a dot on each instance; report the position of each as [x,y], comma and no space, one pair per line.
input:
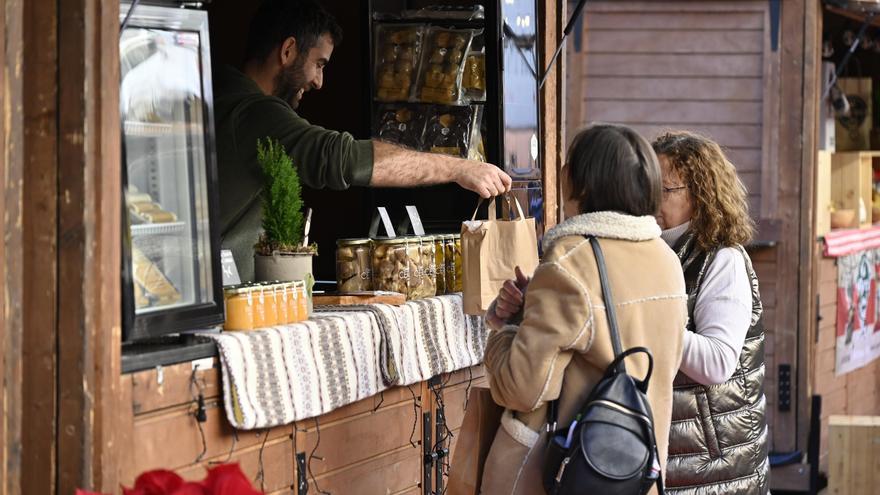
[613,168]
[277,20]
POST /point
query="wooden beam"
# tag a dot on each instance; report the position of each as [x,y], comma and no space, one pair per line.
[40,86]
[11,246]
[89,242]
[791,159]
[808,283]
[549,12]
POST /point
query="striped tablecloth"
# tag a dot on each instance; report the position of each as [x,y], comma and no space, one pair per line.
[286,373]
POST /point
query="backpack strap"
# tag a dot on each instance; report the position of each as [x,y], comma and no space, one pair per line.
[611,315]
[610,311]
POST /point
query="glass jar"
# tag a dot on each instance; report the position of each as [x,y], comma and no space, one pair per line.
[426,282]
[259,297]
[303,304]
[353,265]
[239,304]
[440,264]
[396,264]
[269,305]
[293,315]
[280,302]
[452,252]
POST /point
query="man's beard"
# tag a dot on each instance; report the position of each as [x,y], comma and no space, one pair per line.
[289,82]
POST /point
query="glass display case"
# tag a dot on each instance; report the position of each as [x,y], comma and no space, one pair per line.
[171,273]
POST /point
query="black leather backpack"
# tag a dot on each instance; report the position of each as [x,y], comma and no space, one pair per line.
[610,449]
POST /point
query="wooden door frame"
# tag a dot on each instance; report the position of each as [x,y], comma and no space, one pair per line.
[11,247]
[61,246]
[89,239]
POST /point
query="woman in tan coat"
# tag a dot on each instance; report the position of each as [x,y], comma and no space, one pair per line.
[561,345]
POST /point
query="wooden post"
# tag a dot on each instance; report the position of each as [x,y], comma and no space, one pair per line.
[11,247]
[551,13]
[789,260]
[39,388]
[808,283]
[89,241]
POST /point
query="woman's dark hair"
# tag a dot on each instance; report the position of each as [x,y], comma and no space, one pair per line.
[277,20]
[613,168]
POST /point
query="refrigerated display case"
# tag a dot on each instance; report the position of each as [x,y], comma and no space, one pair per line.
[171,260]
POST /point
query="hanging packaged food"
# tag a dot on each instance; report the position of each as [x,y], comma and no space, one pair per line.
[442,64]
[353,265]
[449,131]
[402,124]
[473,80]
[397,56]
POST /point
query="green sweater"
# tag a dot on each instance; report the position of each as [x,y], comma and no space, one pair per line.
[242,115]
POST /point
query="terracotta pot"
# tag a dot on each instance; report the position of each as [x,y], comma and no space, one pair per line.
[281,266]
[842,219]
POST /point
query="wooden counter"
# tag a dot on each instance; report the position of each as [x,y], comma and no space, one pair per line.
[376,445]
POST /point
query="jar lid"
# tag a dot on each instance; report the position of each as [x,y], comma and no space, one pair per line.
[236,289]
[397,240]
[352,242]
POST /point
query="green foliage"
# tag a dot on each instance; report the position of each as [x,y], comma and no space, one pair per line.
[282,201]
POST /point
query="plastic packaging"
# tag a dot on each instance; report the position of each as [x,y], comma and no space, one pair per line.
[398,51]
[402,124]
[442,64]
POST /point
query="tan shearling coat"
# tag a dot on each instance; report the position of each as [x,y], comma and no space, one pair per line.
[563,345]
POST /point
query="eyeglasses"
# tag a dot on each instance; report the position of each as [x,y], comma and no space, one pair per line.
[670,190]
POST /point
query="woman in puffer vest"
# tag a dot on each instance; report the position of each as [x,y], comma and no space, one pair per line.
[718,438]
[561,345]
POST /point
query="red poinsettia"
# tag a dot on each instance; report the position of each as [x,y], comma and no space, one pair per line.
[224,479]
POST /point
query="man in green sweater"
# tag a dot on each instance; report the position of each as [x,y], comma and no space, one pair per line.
[289,44]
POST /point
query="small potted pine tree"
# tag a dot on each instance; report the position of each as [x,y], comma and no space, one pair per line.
[280,253]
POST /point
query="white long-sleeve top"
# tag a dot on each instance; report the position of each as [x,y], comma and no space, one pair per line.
[722,316]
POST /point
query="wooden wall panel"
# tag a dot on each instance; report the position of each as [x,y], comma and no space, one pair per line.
[683,65]
[11,246]
[367,442]
[711,67]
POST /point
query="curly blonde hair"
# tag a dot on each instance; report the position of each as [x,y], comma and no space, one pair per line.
[720,207]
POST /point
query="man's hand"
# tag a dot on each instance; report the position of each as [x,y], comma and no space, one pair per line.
[482,178]
[510,300]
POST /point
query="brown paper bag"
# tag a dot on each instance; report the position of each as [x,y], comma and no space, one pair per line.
[481,421]
[490,251]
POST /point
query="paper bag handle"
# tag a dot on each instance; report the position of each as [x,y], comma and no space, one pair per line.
[492,215]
